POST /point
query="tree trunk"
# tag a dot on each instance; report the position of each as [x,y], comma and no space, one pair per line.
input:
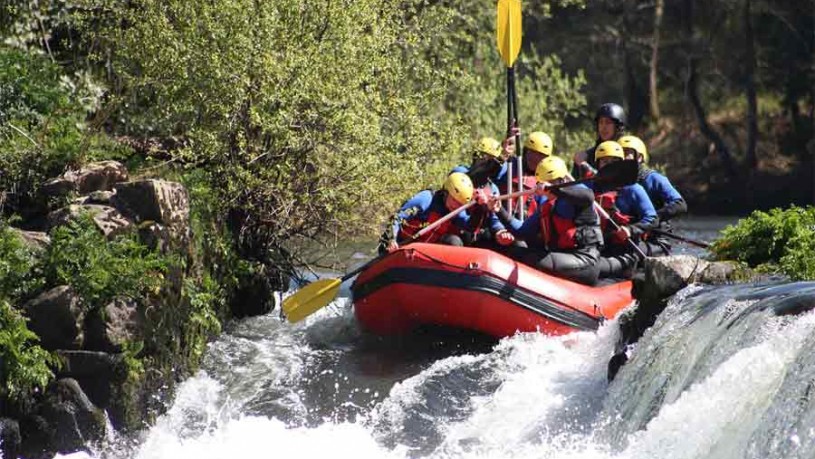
[634,91]
[692,92]
[652,87]
[750,88]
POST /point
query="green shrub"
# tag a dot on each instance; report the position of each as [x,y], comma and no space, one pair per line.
[19,271]
[781,240]
[100,270]
[24,366]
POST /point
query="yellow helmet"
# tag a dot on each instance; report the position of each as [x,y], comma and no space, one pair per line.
[459,185]
[540,142]
[609,149]
[551,168]
[631,141]
[489,146]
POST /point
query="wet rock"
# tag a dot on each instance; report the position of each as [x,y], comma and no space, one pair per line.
[97,372]
[253,295]
[10,438]
[91,177]
[35,240]
[109,220]
[109,328]
[73,419]
[155,236]
[668,275]
[56,316]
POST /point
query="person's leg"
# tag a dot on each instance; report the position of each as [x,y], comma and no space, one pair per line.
[579,266]
[617,260]
[451,239]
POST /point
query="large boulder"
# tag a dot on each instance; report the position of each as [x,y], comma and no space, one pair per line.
[72,419]
[109,220]
[56,316]
[97,372]
[159,201]
[35,240]
[111,327]
[91,177]
[665,276]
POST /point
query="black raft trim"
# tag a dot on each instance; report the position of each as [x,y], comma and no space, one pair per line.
[480,283]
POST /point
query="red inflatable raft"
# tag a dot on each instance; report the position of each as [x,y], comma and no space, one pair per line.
[477,289]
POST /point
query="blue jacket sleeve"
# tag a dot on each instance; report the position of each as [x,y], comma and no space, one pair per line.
[495,222]
[663,188]
[644,208]
[527,229]
[417,205]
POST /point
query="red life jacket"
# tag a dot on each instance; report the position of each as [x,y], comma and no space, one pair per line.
[415,224]
[557,233]
[607,201]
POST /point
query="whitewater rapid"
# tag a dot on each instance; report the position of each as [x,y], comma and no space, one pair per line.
[711,379]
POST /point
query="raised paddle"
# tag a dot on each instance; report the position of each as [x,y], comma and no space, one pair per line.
[318,294]
[701,244]
[508,38]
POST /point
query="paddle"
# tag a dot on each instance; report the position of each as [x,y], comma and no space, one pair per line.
[318,294]
[701,244]
[508,38]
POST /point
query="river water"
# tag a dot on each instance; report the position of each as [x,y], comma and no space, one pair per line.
[726,372]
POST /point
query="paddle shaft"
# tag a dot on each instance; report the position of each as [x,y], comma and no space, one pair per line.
[518,150]
[510,86]
[421,233]
[614,224]
[701,244]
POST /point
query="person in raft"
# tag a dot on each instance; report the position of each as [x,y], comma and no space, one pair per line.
[538,145]
[485,229]
[427,206]
[631,209]
[666,199]
[609,124]
[563,234]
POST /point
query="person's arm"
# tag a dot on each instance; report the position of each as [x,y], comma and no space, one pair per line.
[416,205]
[674,204]
[648,218]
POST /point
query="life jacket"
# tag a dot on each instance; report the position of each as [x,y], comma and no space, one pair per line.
[413,225]
[608,201]
[557,233]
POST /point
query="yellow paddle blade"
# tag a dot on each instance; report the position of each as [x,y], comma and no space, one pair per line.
[310,298]
[508,30]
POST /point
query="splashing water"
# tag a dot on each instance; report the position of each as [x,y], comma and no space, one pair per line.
[723,373]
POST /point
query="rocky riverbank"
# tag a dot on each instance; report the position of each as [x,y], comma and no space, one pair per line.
[120,350]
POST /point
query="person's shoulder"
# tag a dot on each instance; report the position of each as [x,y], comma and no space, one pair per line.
[460,168]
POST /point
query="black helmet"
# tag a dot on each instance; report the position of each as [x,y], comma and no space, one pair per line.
[612,111]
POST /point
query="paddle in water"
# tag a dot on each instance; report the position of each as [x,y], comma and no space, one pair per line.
[318,294]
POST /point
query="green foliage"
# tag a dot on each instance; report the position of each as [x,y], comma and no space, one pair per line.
[18,267]
[24,366]
[317,118]
[42,125]
[100,270]
[781,240]
[205,298]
